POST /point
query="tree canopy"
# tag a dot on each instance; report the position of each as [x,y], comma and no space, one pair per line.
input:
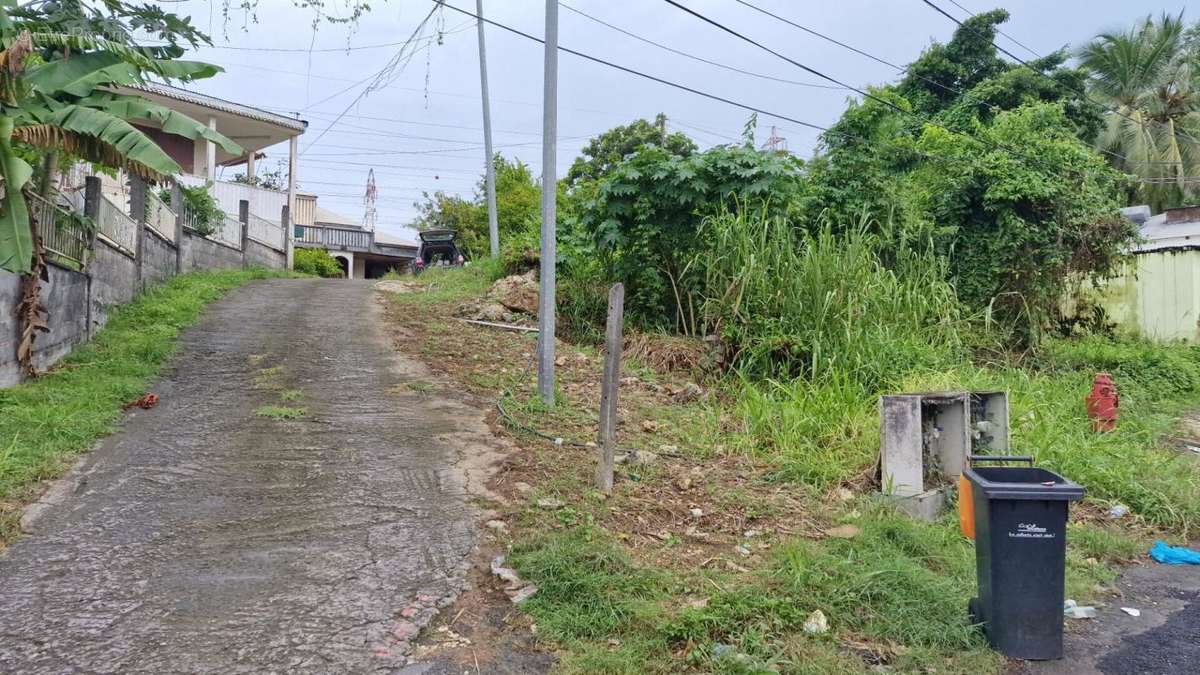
[610,148]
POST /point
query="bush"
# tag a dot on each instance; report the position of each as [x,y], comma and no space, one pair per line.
[204,214]
[318,263]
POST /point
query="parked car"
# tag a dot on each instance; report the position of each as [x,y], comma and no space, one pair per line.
[438,248]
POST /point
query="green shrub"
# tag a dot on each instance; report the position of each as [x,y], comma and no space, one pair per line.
[317,262]
[204,213]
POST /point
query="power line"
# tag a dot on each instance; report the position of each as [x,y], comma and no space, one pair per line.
[391,64]
[638,73]
[814,33]
[693,56]
[990,144]
[1011,38]
[1073,90]
[457,29]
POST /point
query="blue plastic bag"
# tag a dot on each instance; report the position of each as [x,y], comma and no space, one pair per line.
[1174,555]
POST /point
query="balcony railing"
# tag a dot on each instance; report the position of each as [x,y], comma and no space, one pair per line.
[335,238]
[116,226]
[267,232]
[230,232]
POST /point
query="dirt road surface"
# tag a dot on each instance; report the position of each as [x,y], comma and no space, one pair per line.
[207,537]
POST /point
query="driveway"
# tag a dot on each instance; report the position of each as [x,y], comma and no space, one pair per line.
[213,535]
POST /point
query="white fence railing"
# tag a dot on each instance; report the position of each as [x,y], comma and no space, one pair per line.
[230,232]
[228,194]
[160,216]
[116,226]
[267,232]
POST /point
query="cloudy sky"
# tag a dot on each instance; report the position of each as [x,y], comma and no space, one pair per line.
[423,131]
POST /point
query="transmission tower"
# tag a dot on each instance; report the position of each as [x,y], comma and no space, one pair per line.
[775,143]
[371,215]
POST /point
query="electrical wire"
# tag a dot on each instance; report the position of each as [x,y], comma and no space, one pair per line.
[1073,90]
[638,73]
[693,56]
[379,76]
[1011,38]
[992,145]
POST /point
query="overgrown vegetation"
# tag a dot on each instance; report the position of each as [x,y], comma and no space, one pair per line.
[926,246]
[47,421]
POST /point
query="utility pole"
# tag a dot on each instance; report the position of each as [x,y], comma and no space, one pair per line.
[546,306]
[493,225]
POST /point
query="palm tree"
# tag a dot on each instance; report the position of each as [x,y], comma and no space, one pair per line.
[1147,76]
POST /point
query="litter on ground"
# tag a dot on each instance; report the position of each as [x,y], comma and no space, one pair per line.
[1174,555]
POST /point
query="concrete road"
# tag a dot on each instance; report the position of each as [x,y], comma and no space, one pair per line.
[1161,641]
[207,538]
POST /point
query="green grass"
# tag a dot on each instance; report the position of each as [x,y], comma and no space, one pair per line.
[291,395]
[454,284]
[421,386]
[280,412]
[46,422]
[826,432]
[899,583]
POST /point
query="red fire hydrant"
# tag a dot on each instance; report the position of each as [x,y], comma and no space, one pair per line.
[1103,402]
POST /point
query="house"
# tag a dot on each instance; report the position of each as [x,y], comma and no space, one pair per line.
[252,128]
[1157,295]
[362,252]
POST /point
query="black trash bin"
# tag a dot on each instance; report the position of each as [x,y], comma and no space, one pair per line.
[1020,555]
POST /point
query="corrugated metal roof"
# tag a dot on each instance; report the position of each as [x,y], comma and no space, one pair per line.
[1158,234]
[323,215]
[222,105]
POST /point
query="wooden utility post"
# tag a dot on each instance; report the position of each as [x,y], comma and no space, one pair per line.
[613,337]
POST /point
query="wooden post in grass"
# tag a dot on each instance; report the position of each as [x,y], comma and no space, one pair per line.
[608,387]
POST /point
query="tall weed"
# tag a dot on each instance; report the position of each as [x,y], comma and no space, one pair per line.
[858,304]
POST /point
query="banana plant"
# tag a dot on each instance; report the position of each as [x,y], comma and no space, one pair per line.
[61,91]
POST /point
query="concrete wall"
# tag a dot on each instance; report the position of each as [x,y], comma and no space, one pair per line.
[79,303]
[114,278]
[158,259]
[205,254]
[261,255]
[65,296]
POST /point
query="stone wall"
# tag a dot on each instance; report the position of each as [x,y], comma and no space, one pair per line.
[79,303]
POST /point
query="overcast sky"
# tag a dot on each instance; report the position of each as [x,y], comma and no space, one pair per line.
[423,130]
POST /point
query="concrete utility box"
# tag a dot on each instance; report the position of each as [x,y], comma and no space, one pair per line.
[989,422]
[926,439]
